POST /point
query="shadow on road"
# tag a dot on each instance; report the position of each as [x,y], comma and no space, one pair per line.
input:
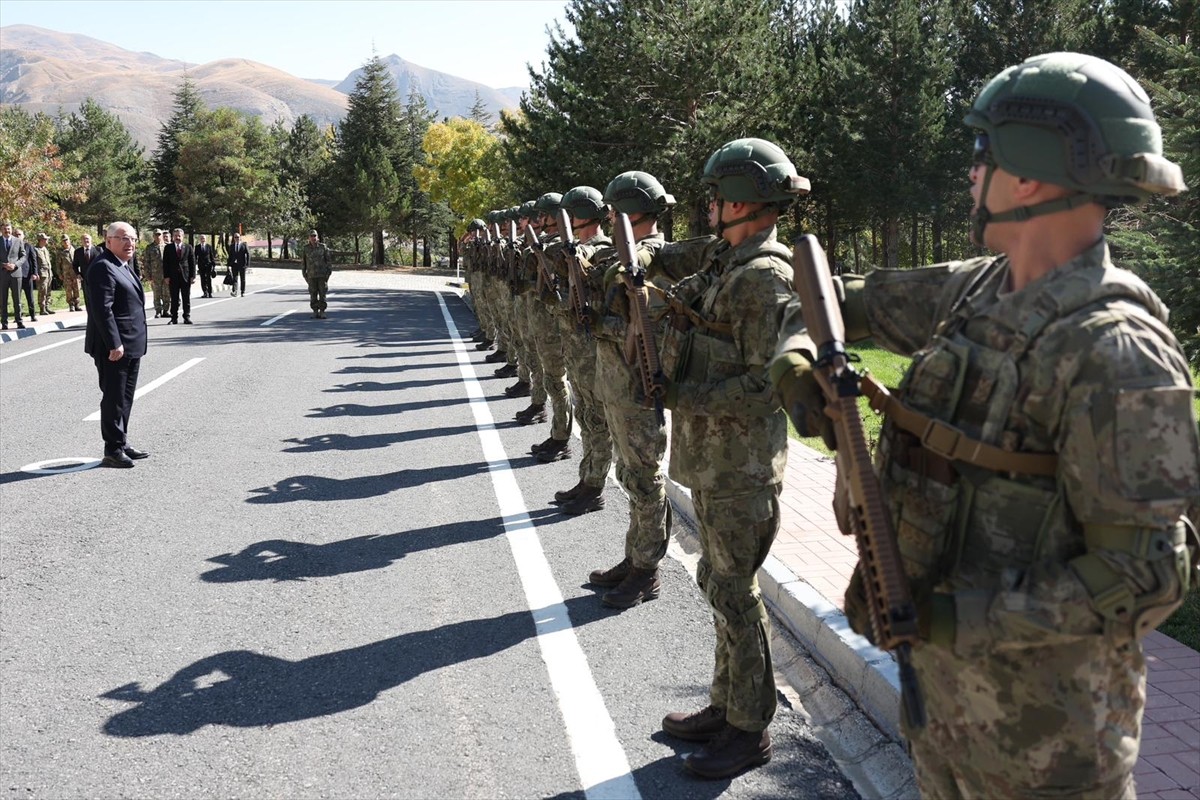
[344,441]
[318,488]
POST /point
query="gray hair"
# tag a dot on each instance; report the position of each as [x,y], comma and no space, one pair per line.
[114,228]
[177,230]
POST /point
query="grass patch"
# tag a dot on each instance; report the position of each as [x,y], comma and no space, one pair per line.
[1184,625]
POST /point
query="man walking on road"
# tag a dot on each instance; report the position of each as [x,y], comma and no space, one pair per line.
[179,268]
[116,339]
[239,260]
[316,267]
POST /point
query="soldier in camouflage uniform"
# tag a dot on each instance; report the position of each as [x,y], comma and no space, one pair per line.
[493,294]
[45,271]
[640,440]
[316,266]
[547,338]
[729,440]
[153,259]
[64,263]
[1040,450]
[470,250]
[585,207]
[518,360]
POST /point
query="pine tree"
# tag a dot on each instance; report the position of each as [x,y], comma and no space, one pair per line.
[114,169]
[164,197]
[479,112]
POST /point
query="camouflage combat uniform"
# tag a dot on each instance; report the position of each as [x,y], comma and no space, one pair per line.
[729,445]
[316,267]
[45,271]
[1035,588]
[154,271]
[64,263]
[548,343]
[639,440]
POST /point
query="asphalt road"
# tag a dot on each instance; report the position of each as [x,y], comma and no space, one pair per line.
[337,575]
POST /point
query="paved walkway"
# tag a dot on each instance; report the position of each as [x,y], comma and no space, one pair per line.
[810,546]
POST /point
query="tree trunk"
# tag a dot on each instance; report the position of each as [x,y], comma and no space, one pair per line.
[937,237]
[857,262]
[891,243]
[378,257]
[916,240]
[270,253]
[357,251]
[414,238]
[453,250]
[428,259]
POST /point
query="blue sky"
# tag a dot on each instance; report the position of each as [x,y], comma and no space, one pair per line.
[488,41]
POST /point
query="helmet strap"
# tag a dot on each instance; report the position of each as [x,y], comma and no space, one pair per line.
[722,225]
[982,216]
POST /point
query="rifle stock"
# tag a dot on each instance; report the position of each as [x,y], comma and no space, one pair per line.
[512,255]
[893,613]
[645,349]
[577,289]
[545,279]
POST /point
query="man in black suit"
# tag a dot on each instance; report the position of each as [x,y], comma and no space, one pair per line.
[12,251]
[29,274]
[206,264]
[84,255]
[116,338]
[239,259]
[179,269]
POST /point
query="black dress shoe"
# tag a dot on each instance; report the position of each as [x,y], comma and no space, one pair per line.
[118,460]
[20,325]
[134,453]
[172,322]
[187,321]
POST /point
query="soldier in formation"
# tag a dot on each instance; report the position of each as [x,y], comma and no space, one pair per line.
[316,266]
[1041,451]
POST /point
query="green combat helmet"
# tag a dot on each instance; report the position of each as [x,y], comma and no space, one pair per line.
[584,202]
[1075,121]
[476,225]
[637,193]
[547,205]
[527,209]
[752,171]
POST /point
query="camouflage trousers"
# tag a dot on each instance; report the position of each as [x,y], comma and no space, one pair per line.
[1059,720]
[70,282]
[316,293]
[479,301]
[737,529]
[529,368]
[549,345]
[45,281]
[579,352]
[640,444]
[162,295]
[502,304]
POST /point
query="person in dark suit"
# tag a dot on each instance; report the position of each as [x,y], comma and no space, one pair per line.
[12,250]
[206,264]
[29,274]
[115,338]
[179,269]
[84,255]
[239,259]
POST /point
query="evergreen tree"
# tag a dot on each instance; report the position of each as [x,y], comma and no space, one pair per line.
[366,181]
[164,197]
[224,171]
[479,112]
[115,172]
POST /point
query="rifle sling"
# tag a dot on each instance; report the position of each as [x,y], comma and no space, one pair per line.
[950,443]
[693,316]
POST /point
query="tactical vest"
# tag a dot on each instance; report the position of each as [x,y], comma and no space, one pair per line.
[958,522]
[696,348]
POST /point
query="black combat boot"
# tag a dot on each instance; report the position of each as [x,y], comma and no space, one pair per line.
[498,357]
[507,371]
[729,752]
[531,415]
[639,584]
[567,494]
[477,335]
[698,726]
[518,389]
[554,450]
[486,344]
[590,499]
[611,576]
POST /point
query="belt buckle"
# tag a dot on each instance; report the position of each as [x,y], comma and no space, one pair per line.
[941,439]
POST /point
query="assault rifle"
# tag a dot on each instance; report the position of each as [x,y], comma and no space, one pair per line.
[497,245]
[512,256]
[893,613]
[577,289]
[640,347]
[545,278]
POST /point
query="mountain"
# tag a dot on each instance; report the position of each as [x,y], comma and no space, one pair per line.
[445,94]
[49,71]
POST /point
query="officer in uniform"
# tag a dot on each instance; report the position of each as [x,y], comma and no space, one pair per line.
[45,270]
[64,262]
[1041,449]
[154,270]
[640,441]
[585,207]
[316,267]
[729,439]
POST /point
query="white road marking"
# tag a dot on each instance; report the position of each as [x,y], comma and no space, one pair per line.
[61,466]
[152,385]
[278,317]
[41,349]
[599,758]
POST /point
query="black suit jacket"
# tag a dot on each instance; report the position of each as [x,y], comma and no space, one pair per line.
[239,255]
[206,259]
[116,309]
[83,257]
[179,263]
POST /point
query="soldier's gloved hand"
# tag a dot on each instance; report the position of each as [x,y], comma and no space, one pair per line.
[936,618]
[858,611]
[801,396]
